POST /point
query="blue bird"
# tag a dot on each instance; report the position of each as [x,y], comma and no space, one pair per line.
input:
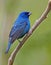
[20,27]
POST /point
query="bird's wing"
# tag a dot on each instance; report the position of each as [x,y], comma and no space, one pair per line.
[17,29]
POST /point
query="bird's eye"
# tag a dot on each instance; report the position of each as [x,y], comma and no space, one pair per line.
[26,13]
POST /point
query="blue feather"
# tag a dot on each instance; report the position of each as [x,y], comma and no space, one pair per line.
[9,45]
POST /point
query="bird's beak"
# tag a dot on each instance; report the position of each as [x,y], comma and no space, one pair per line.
[29,13]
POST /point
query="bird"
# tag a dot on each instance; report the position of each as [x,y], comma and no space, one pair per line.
[20,28]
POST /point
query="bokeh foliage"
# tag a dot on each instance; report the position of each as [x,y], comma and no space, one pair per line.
[37,49]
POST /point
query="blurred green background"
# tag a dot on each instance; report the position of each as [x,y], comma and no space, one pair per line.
[37,49]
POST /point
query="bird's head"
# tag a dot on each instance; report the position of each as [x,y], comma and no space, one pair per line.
[25,14]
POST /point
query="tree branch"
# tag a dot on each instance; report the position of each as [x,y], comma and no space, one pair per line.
[37,23]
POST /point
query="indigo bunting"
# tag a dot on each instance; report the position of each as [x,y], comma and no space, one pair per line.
[20,27]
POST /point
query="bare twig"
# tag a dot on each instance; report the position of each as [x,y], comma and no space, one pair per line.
[37,23]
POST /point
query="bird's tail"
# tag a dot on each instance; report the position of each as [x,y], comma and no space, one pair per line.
[8,47]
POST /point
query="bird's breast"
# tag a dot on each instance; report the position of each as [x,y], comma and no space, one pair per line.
[27,28]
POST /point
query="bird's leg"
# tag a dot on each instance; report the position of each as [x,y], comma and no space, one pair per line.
[23,37]
[19,41]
